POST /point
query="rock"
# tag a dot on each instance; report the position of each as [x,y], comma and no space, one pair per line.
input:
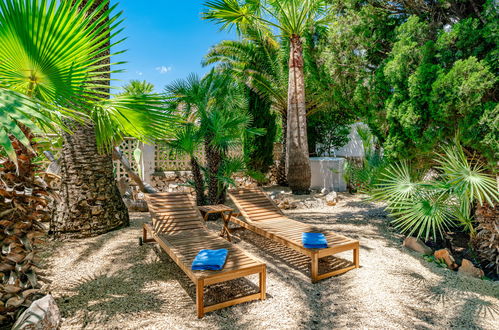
[417,245]
[42,314]
[468,269]
[445,255]
[324,191]
[332,198]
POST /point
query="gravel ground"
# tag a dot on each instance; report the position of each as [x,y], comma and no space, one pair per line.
[109,282]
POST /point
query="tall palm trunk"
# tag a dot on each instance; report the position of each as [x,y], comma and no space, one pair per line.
[297,160]
[281,166]
[91,203]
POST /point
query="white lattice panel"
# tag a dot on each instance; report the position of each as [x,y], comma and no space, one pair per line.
[127,147]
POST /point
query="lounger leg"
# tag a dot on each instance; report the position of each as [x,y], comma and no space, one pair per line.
[315,267]
[263,284]
[356,253]
[200,298]
[144,236]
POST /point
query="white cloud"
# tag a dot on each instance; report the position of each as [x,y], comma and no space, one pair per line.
[163,69]
[139,73]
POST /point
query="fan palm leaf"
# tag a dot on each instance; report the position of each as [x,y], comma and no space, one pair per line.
[467,178]
[49,62]
[396,184]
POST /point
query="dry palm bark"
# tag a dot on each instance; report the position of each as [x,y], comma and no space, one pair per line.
[23,205]
[487,239]
[91,202]
[297,160]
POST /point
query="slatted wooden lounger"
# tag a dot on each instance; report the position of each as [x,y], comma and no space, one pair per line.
[263,217]
[177,226]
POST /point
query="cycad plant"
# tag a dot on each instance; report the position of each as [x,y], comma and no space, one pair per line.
[427,206]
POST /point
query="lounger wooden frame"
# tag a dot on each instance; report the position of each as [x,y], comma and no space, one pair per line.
[177,226]
[263,216]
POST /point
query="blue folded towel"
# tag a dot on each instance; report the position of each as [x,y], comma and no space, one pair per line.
[210,260]
[314,240]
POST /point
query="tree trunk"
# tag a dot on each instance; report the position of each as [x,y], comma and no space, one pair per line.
[24,201]
[297,159]
[213,160]
[486,241]
[91,203]
[198,182]
[281,167]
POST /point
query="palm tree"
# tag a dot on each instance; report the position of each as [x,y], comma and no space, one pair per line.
[292,18]
[429,207]
[137,87]
[215,104]
[91,202]
[258,62]
[188,141]
[35,88]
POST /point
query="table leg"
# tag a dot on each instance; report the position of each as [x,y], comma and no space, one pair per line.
[225,229]
[206,215]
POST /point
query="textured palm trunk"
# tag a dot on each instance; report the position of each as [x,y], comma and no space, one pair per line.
[297,159]
[24,201]
[281,167]
[213,160]
[91,202]
[486,241]
[198,182]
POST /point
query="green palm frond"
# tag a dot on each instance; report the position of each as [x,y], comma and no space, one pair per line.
[258,62]
[137,88]
[290,17]
[467,178]
[231,13]
[187,140]
[396,184]
[51,49]
[426,214]
[49,62]
[140,116]
[17,109]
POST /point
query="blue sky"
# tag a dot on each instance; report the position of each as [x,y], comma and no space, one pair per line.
[167,40]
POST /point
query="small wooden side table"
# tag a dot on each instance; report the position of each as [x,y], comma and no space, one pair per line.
[224,210]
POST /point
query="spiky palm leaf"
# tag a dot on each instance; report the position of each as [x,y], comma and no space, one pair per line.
[290,17]
[468,178]
[396,184]
[429,208]
[141,116]
[258,62]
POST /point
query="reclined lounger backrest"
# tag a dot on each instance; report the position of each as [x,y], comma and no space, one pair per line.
[255,205]
[173,213]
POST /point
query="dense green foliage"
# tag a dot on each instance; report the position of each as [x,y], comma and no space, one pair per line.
[214,111]
[255,62]
[419,76]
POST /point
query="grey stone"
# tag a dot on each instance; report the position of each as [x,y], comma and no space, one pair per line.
[43,314]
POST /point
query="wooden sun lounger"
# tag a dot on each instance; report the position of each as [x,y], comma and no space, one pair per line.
[263,216]
[177,226]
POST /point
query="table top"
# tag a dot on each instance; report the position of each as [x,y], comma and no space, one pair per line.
[215,208]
